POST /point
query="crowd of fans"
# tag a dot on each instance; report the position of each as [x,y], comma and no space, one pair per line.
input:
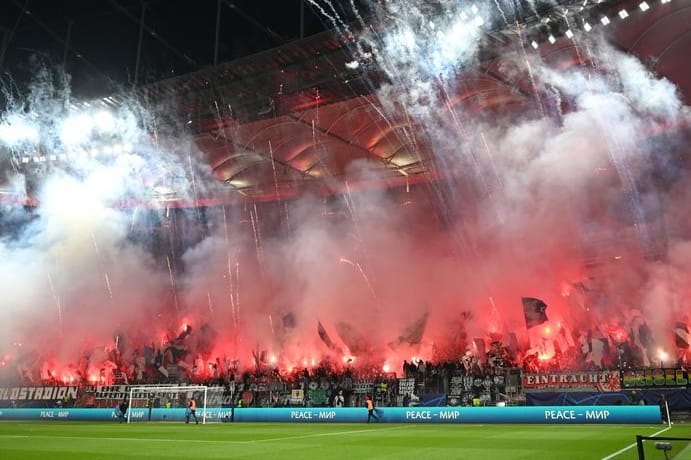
[175,362]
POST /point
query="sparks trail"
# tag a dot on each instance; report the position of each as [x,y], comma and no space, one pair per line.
[172,284]
[234,291]
[194,187]
[134,218]
[531,75]
[217,114]
[288,226]
[576,48]
[319,151]
[110,291]
[501,11]
[273,170]
[93,240]
[56,298]
[624,171]
[237,293]
[335,19]
[231,293]
[358,237]
[491,302]
[230,271]
[355,10]
[362,272]
[254,218]
[276,188]
[490,157]
[208,296]
[351,209]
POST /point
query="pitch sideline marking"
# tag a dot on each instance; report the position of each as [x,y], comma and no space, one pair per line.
[630,446]
[204,441]
[688,446]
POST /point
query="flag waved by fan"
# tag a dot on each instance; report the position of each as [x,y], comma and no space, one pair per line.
[324,336]
[534,311]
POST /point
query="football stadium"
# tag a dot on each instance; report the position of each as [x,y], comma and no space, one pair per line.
[377,229]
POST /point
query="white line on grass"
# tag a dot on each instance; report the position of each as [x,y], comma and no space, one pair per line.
[631,446]
[43,436]
[681,452]
[207,441]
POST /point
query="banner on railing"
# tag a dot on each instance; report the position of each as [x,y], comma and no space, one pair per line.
[90,394]
[513,414]
[406,386]
[46,393]
[573,381]
[655,378]
[363,386]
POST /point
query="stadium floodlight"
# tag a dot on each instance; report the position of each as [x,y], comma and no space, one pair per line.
[604,20]
[534,44]
[664,1]
[146,393]
[644,6]
[551,39]
[568,34]
[587,27]
[623,14]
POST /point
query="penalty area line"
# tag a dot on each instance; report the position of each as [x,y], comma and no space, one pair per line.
[631,446]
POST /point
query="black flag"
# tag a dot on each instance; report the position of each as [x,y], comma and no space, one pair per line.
[681,331]
[534,311]
[289,320]
[259,357]
[326,339]
[412,335]
[352,338]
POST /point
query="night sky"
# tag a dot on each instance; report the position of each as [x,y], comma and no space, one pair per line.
[97,40]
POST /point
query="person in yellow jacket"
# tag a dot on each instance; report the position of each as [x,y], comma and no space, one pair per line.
[191,411]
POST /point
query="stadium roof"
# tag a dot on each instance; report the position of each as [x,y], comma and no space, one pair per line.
[297,116]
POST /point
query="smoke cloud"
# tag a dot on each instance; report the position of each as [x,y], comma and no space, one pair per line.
[579,200]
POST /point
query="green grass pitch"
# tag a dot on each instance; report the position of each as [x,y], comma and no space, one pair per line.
[278,441]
